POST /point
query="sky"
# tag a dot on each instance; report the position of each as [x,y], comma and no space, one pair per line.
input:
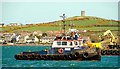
[39,12]
[59,0]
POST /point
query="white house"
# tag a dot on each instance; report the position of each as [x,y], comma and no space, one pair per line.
[32,39]
[36,39]
[47,39]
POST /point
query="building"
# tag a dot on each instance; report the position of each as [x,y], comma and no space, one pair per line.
[47,39]
[7,37]
[31,39]
[82,13]
[1,24]
[13,24]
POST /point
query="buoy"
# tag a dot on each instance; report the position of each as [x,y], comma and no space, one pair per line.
[60,51]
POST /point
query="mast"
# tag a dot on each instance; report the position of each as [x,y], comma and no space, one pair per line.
[63,16]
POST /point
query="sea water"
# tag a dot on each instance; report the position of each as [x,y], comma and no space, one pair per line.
[8,59]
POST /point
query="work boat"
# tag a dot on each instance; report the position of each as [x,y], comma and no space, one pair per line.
[64,48]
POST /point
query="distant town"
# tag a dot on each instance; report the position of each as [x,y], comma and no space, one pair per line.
[45,33]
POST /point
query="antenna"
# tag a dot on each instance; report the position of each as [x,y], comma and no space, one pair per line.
[63,16]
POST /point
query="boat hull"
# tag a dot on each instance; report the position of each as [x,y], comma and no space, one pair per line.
[55,57]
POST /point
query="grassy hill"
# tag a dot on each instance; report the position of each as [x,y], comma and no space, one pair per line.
[80,23]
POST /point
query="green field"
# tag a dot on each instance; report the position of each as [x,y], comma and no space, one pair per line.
[84,23]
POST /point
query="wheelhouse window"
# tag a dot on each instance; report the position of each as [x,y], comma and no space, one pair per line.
[64,43]
[58,43]
[76,43]
[71,43]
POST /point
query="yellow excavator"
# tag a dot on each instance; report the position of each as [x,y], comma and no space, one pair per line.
[109,38]
[110,44]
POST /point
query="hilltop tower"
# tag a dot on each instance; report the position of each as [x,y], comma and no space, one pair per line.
[82,13]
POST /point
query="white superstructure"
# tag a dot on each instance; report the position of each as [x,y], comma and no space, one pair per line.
[67,43]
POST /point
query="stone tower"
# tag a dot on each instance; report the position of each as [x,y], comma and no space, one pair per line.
[82,13]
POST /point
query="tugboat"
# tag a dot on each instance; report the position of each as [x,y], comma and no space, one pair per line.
[65,48]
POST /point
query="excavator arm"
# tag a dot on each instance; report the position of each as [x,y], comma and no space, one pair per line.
[111,38]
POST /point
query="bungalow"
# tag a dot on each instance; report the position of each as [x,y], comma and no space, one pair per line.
[7,37]
[47,39]
[31,39]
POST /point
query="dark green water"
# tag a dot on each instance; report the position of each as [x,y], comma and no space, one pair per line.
[8,59]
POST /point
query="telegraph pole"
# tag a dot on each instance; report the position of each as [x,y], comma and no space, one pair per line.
[63,16]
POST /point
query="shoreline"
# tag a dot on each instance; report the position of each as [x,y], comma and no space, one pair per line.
[26,45]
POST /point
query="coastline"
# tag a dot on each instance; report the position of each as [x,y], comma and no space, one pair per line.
[26,45]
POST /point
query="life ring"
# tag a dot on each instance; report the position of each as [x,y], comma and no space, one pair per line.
[60,51]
